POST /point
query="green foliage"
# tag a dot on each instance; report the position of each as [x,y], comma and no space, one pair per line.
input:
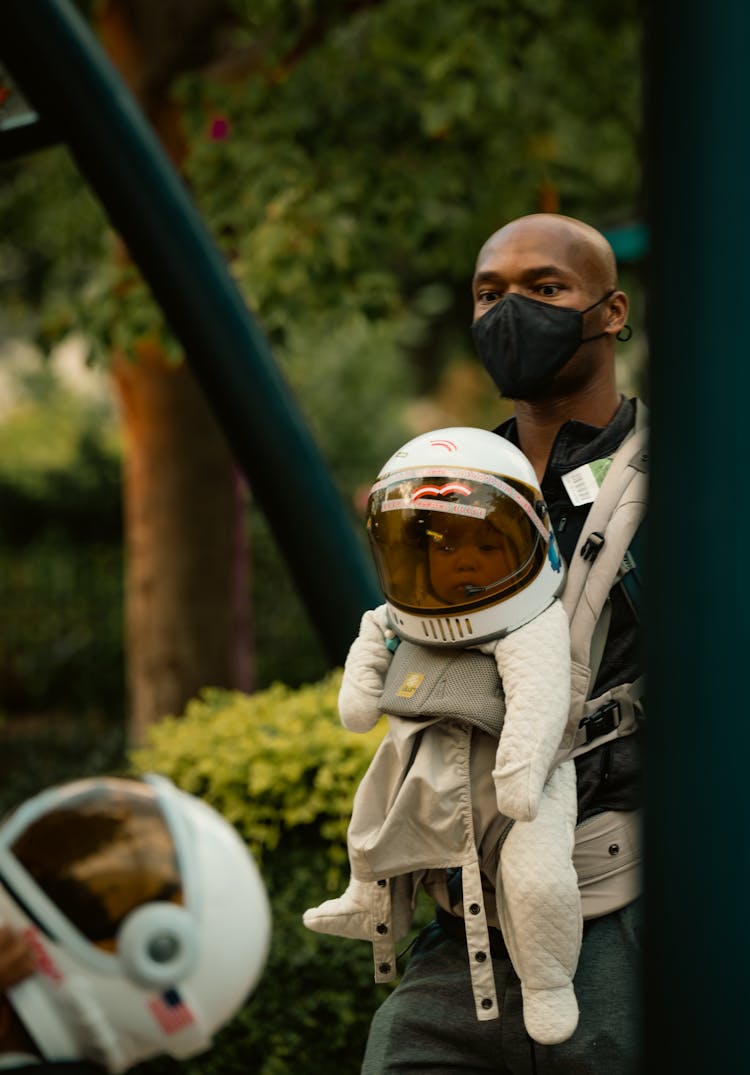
[356,192]
[61,627]
[353,205]
[61,567]
[59,461]
[351,208]
[279,765]
[286,648]
[54,240]
[270,762]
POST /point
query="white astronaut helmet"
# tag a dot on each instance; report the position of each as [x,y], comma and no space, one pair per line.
[461,538]
[147,914]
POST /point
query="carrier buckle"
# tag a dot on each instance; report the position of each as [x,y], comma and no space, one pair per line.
[592,546]
[606,719]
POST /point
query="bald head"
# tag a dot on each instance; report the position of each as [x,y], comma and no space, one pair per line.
[554,259]
[576,245]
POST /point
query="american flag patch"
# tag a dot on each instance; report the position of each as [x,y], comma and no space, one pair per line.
[171,1012]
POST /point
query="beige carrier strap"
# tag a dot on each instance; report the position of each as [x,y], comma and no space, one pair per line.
[595,567]
[477,938]
[614,518]
[478,943]
[383,942]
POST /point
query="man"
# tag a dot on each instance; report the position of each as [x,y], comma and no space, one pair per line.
[547,311]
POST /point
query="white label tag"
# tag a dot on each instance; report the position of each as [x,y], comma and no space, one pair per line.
[581,485]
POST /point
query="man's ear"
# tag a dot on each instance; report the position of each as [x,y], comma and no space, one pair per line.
[617,312]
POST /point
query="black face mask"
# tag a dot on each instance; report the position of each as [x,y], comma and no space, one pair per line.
[523,342]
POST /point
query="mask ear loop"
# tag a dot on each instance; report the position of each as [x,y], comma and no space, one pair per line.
[624,334]
[598,302]
[599,335]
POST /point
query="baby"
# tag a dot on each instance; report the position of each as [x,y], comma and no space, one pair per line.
[469,659]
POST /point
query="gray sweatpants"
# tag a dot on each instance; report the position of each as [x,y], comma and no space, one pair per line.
[428,1024]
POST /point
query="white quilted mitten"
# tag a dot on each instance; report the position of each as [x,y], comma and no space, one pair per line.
[534,665]
[550,1015]
[365,670]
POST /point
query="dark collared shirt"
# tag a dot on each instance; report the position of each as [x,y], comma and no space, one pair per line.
[608,776]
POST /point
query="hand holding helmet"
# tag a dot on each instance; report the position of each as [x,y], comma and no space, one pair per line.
[16,958]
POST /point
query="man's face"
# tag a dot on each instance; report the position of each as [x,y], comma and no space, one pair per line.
[535,262]
[465,552]
[555,262]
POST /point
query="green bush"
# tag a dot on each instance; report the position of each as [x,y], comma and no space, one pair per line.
[281,768]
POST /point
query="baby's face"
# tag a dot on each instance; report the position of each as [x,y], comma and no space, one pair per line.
[465,552]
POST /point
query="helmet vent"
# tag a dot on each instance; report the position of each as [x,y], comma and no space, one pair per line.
[447,630]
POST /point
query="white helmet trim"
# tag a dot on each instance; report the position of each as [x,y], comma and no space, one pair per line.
[439,628]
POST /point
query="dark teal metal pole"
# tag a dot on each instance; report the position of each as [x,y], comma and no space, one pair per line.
[58,64]
[698,807]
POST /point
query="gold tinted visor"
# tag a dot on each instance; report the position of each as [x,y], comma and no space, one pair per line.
[99,853]
[454,542]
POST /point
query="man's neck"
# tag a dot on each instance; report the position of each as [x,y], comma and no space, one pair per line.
[538,422]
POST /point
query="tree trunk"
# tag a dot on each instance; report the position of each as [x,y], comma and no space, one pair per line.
[180,492]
